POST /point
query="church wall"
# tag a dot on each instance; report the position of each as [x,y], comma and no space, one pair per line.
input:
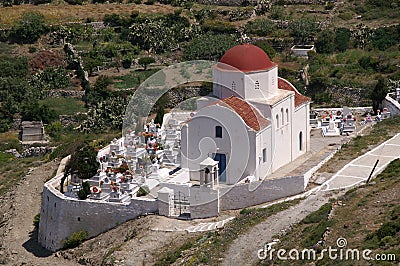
[264,142]
[301,124]
[60,216]
[282,131]
[202,143]
[244,195]
[231,80]
[268,84]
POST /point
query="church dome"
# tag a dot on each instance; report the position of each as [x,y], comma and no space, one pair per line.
[246,58]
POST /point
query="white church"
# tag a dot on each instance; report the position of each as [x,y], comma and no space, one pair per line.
[258,123]
[221,158]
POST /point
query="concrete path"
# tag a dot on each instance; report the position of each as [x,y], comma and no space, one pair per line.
[203,227]
[360,168]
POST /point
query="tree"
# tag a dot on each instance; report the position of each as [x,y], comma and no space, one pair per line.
[268,49]
[35,112]
[325,43]
[209,46]
[83,164]
[145,61]
[303,29]
[342,39]
[29,28]
[377,94]
[260,27]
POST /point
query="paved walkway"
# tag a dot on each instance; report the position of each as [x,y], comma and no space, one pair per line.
[360,168]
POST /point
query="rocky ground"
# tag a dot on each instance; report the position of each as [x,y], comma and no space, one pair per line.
[18,237]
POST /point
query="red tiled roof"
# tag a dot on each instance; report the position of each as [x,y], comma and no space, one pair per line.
[246,58]
[299,99]
[249,114]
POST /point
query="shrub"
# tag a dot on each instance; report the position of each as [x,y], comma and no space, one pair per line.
[319,215]
[209,46]
[143,191]
[29,28]
[36,220]
[260,27]
[325,42]
[268,49]
[75,240]
[145,61]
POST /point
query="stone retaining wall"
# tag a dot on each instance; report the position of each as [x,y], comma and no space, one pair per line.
[60,216]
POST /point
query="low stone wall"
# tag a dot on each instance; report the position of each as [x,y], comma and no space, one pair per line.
[258,192]
[65,94]
[60,216]
[391,104]
[254,2]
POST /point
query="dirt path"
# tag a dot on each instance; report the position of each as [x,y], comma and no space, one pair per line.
[18,239]
[243,250]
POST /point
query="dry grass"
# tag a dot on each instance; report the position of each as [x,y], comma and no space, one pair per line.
[59,13]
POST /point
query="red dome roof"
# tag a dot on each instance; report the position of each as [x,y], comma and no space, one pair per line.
[246,58]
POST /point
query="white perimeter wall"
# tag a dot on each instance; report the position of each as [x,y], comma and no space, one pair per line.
[254,193]
[59,215]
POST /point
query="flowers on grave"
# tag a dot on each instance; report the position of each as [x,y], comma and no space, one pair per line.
[123,168]
[96,190]
[114,188]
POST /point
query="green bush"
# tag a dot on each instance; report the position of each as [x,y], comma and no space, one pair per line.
[29,28]
[143,191]
[209,46]
[267,48]
[260,27]
[320,215]
[36,220]
[75,240]
[145,61]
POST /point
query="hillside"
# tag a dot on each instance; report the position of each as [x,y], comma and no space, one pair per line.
[367,217]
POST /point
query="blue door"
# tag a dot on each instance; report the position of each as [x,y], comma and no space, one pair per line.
[221,158]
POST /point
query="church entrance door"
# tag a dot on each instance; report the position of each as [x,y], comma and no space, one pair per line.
[221,158]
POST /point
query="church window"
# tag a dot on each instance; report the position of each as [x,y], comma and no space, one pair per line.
[277,121]
[257,85]
[287,116]
[218,132]
[264,155]
[301,141]
[79,219]
[233,85]
[273,81]
[283,117]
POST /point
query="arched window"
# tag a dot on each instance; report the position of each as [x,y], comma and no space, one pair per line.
[282,117]
[233,85]
[287,116]
[277,121]
[218,132]
[300,141]
[257,85]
